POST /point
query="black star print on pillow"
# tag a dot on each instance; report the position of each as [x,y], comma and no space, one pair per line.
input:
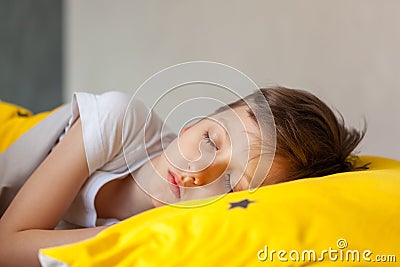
[22,114]
[242,204]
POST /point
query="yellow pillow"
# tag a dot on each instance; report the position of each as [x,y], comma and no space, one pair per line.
[14,122]
[337,217]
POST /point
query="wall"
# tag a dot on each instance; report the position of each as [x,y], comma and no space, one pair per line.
[344,51]
[31,53]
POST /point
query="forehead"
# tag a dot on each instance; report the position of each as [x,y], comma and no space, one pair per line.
[237,122]
[243,133]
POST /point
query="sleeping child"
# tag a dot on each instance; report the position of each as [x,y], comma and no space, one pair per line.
[102,159]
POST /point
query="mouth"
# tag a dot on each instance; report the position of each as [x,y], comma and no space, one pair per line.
[173,185]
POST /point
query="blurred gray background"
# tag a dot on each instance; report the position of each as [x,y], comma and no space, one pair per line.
[344,51]
[31,53]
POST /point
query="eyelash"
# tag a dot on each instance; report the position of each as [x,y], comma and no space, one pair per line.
[209,141]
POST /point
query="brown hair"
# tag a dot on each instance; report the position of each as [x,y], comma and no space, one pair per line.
[310,139]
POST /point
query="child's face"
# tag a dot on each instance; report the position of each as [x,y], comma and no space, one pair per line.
[208,158]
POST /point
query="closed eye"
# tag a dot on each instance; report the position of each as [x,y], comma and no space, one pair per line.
[206,137]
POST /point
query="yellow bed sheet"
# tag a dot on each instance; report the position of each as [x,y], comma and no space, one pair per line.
[15,121]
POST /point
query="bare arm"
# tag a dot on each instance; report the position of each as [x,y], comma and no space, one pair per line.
[27,224]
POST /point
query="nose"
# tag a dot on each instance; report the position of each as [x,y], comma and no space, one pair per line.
[198,178]
[192,180]
[195,176]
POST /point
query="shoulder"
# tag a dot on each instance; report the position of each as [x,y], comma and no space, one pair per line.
[104,118]
[108,102]
[110,112]
[113,100]
[110,106]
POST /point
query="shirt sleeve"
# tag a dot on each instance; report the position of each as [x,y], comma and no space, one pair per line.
[103,118]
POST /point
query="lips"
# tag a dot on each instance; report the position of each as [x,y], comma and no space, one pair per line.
[173,185]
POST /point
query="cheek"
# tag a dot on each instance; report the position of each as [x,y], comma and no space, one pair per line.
[188,149]
[188,146]
[214,171]
[177,153]
[194,149]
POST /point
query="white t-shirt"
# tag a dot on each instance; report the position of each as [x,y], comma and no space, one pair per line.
[109,120]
